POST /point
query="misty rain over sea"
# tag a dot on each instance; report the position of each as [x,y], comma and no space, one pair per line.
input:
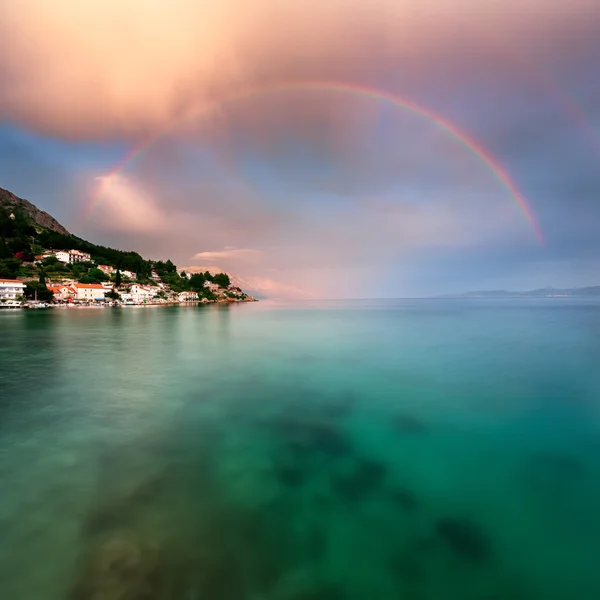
[390,449]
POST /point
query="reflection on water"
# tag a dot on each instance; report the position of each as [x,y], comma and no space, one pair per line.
[295,453]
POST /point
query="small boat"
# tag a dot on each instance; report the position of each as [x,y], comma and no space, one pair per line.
[37,305]
[11,304]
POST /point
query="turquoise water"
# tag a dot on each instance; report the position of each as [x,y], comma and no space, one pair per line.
[418,450]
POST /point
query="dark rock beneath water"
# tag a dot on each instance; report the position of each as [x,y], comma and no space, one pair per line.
[405,499]
[465,538]
[329,441]
[558,464]
[121,568]
[367,477]
[339,407]
[407,568]
[301,586]
[408,424]
[303,437]
[290,476]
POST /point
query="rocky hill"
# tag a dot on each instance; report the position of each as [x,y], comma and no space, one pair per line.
[10,202]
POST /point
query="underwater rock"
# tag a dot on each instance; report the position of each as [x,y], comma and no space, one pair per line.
[311,436]
[465,538]
[367,477]
[404,498]
[561,465]
[300,585]
[317,544]
[106,517]
[329,441]
[408,424]
[340,407]
[121,512]
[121,568]
[407,568]
[290,476]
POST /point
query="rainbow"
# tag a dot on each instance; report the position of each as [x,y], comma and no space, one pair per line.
[343,88]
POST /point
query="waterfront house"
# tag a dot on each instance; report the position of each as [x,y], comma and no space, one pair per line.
[10,289]
[89,291]
[188,297]
[142,293]
[62,292]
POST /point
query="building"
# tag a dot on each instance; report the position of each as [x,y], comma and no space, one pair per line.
[107,269]
[68,256]
[11,289]
[213,287]
[89,291]
[76,256]
[142,293]
[129,274]
[62,256]
[188,297]
[62,293]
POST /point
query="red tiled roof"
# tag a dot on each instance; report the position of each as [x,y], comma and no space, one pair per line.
[94,286]
[10,281]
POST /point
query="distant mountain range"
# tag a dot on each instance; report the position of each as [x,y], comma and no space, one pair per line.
[548,292]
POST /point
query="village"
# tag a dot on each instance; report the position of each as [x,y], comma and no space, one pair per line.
[108,286]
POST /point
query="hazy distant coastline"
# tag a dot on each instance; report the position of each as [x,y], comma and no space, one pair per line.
[548,292]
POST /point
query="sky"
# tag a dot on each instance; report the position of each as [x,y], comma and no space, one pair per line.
[338,149]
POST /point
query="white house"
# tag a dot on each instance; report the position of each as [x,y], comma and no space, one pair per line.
[78,256]
[213,287]
[10,289]
[188,297]
[107,269]
[89,291]
[61,255]
[142,293]
[129,274]
[62,292]
[68,256]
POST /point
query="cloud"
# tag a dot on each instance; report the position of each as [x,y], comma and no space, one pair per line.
[230,253]
[121,205]
[105,68]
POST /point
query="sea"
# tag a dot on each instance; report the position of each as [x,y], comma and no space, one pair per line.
[316,450]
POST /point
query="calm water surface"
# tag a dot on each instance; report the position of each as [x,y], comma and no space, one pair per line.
[416,450]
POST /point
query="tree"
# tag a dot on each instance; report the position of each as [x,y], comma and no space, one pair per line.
[93,276]
[113,295]
[118,279]
[222,280]
[9,267]
[35,289]
[197,281]
[42,278]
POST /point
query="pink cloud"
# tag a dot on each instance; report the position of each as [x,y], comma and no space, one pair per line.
[230,253]
[103,68]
